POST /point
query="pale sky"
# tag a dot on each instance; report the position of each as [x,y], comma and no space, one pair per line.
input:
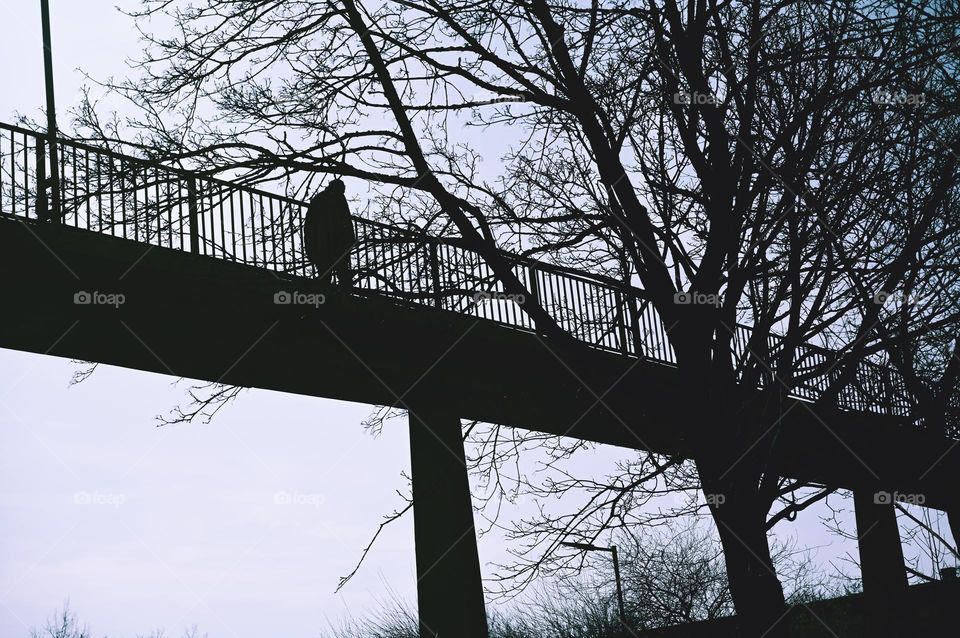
[144,527]
[183,527]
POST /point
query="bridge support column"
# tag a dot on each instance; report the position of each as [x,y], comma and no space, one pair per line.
[449,589]
[878,537]
[881,562]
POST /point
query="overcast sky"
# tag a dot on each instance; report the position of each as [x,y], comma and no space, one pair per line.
[182,527]
[144,527]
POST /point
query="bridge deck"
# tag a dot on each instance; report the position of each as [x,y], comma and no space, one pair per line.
[206,318]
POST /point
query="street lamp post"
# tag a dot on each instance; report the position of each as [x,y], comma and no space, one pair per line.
[587,547]
[54,180]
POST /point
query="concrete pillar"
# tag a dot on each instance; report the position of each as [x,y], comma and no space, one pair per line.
[881,553]
[449,589]
[881,564]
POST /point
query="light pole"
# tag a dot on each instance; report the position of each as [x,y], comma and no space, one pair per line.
[587,547]
[54,181]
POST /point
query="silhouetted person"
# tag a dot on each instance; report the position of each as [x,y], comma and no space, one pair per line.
[328,235]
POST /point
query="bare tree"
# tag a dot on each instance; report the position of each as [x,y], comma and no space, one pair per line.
[676,575]
[774,163]
[63,624]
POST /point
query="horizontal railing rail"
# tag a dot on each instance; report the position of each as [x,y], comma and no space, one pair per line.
[142,200]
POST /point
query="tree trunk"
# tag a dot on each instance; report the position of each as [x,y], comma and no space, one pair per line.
[724,433]
[740,515]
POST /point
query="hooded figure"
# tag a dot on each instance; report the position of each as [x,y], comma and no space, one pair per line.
[328,235]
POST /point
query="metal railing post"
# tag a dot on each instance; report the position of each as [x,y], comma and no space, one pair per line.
[433,249]
[192,211]
[42,203]
[533,285]
[622,320]
[887,394]
[638,346]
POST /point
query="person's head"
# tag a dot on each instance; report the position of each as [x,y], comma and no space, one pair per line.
[337,186]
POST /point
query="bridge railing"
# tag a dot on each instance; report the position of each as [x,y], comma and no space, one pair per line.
[136,199]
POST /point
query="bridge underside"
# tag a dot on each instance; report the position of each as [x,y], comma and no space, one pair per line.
[202,318]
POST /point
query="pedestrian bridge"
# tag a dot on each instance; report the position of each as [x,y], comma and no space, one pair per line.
[214,286]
